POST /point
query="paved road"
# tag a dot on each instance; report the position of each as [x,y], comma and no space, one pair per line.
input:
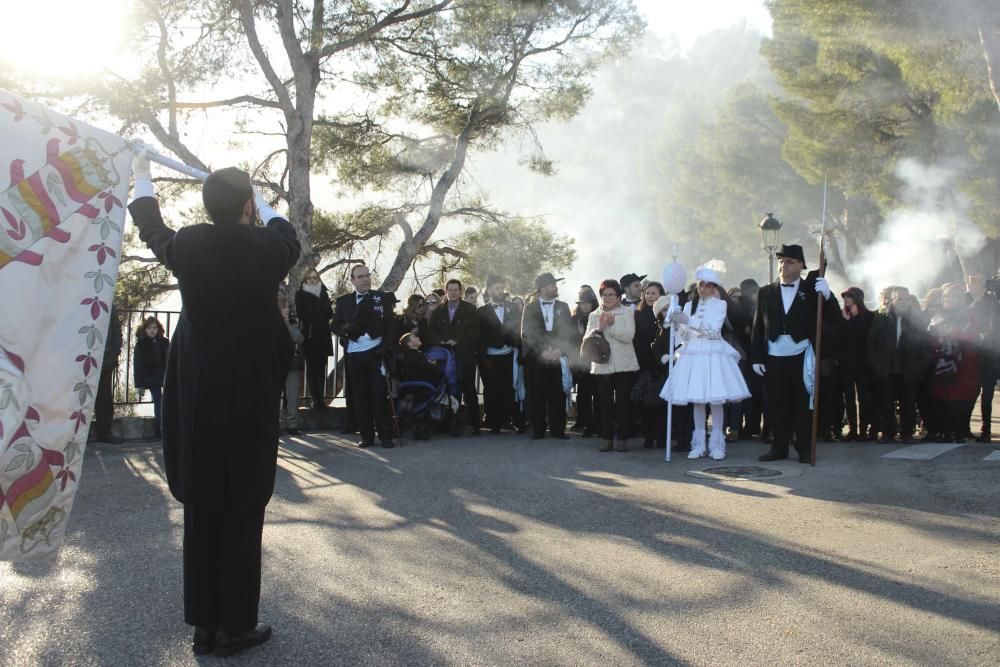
[501,550]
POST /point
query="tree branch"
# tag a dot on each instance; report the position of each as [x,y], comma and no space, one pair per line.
[242,99]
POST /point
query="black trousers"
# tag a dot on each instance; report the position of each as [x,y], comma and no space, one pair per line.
[104,401]
[613,392]
[498,388]
[587,405]
[547,398]
[856,390]
[369,394]
[788,404]
[222,568]
[466,362]
[316,377]
[654,423]
[897,390]
[987,387]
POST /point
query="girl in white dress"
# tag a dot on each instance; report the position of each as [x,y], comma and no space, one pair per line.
[707,371]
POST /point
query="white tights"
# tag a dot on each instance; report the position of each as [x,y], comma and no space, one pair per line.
[718,417]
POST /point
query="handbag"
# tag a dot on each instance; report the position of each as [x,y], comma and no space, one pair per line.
[646,390]
[595,348]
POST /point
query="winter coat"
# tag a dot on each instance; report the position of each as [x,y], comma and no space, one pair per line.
[647,328]
[222,390]
[619,336]
[954,358]
[913,345]
[149,361]
[314,314]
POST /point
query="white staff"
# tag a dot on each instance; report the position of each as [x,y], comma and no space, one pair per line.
[154,156]
[674,277]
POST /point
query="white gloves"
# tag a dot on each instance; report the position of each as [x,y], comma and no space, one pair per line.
[679,317]
[258,201]
[140,167]
[661,303]
[759,369]
[823,287]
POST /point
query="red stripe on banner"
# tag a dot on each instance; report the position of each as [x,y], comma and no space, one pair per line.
[30,480]
[34,493]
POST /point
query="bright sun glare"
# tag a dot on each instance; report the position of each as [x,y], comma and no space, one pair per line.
[62,39]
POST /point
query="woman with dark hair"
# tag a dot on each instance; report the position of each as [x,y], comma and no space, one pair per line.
[616,323]
[587,408]
[314,311]
[149,362]
[652,373]
[855,383]
[409,321]
[707,372]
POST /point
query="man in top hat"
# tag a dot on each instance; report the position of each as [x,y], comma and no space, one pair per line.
[499,342]
[455,325]
[547,336]
[632,287]
[781,349]
[364,322]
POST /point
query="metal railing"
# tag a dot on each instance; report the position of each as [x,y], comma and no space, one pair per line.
[124,387]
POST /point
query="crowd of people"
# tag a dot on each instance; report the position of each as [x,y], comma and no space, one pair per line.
[901,370]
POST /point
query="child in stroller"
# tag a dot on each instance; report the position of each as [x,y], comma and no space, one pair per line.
[428,385]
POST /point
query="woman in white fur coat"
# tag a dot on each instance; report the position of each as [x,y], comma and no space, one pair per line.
[707,371]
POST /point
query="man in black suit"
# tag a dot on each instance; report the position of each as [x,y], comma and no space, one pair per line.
[455,325]
[366,325]
[499,342]
[221,395]
[547,336]
[784,332]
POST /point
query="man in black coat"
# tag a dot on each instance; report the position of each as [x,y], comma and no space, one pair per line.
[499,342]
[366,324]
[784,331]
[221,395]
[547,336]
[455,325]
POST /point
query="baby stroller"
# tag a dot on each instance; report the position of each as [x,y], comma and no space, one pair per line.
[427,406]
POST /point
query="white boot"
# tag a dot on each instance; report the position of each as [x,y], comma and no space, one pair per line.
[717,444]
[697,444]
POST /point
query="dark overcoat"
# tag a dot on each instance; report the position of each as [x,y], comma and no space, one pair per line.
[149,361]
[535,339]
[222,390]
[315,313]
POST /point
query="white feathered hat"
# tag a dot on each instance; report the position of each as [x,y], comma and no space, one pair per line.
[711,272]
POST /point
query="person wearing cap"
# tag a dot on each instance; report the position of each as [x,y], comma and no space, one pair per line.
[547,335]
[221,394]
[632,290]
[707,372]
[781,350]
[455,325]
[499,342]
[588,418]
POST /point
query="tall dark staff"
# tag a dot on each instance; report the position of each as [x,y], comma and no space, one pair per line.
[819,272]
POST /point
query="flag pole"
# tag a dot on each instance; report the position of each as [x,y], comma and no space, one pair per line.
[821,272]
[670,369]
[155,156]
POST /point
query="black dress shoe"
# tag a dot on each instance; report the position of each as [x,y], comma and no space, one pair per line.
[560,436]
[647,443]
[772,456]
[365,443]
[476,431]
[521,430]
[227,645]
[203,642]
[294,431]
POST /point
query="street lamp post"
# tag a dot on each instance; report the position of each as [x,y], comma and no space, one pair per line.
[770,229]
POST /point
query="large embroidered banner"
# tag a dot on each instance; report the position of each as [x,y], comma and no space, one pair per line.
[61,217]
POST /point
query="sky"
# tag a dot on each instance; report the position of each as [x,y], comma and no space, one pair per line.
[31,30]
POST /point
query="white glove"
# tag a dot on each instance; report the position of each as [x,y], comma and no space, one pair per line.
[759,369]
[661,303]
[823,287]
[680,317]
[258,201]
[664,359]
[140,167]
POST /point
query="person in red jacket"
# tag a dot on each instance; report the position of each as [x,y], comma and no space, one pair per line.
[954,365]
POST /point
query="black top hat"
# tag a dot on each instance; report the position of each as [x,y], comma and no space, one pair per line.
[545,279]
[629,278]
[792,251]
[494,280]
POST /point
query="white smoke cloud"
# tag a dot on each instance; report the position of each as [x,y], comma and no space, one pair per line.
[919,240]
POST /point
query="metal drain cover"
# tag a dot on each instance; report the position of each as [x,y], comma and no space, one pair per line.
[737,472]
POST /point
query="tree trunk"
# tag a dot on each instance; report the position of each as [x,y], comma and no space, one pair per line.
[412,244]
[989,37]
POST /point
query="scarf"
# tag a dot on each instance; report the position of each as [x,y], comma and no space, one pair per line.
[306,287]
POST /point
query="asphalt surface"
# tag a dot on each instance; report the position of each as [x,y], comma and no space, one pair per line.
[500,550]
